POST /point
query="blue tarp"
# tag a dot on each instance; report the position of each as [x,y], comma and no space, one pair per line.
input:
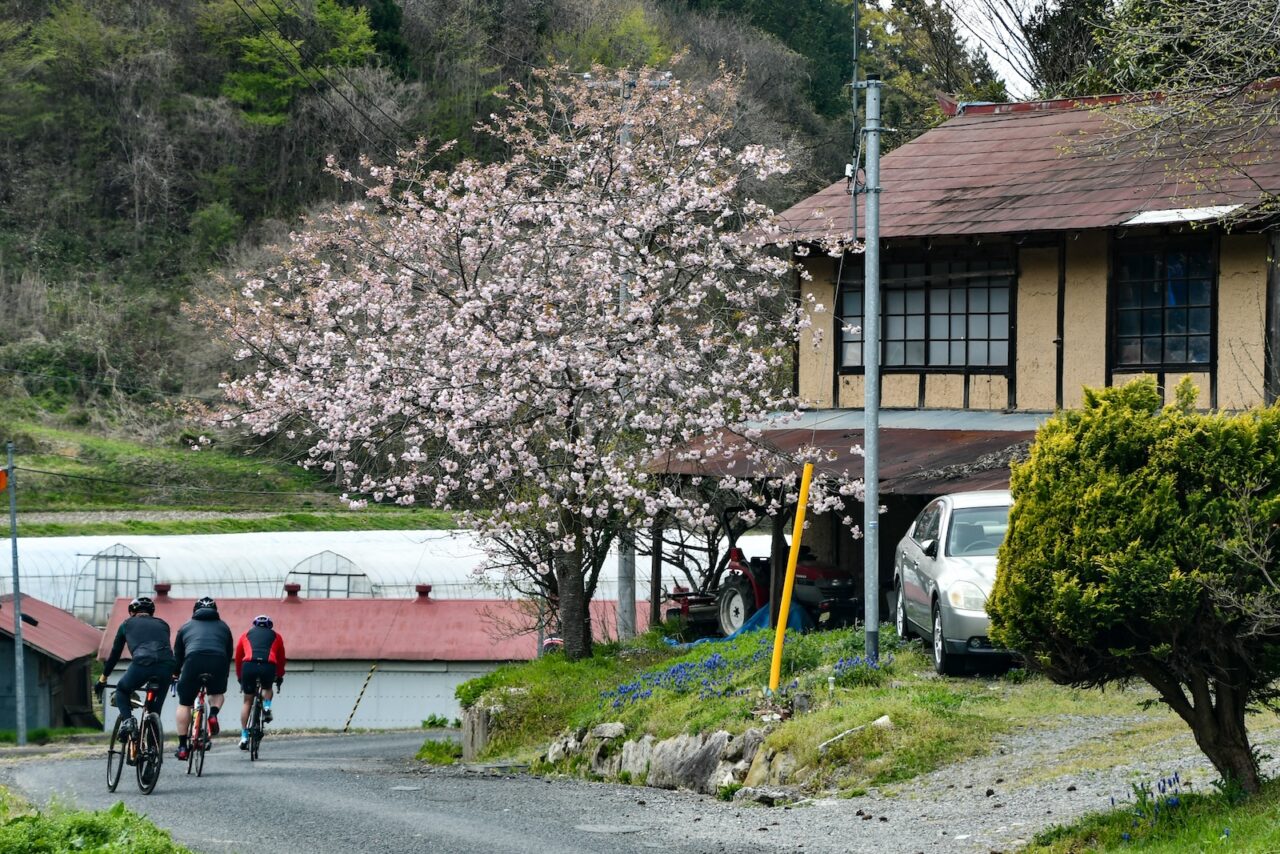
[797,618]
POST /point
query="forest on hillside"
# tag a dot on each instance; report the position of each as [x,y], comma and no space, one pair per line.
[146,144]
[149,146]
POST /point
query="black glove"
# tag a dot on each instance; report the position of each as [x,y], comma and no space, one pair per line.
[99,689]
[279,682]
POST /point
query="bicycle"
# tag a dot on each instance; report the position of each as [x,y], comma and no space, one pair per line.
[256,721]
[143,748]
[199,739]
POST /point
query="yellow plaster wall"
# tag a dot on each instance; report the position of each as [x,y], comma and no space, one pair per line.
[944,391]
[987,391]
[853,389]
[817,349]
[1242,295]
[900,390]
[1037,325]
[1084,349]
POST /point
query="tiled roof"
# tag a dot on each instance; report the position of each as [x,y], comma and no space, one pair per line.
[418,629]
[56,633]
[1018,168]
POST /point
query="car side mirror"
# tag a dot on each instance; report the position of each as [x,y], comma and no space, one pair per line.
[930,548]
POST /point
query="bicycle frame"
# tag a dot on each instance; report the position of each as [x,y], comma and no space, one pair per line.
[143,748]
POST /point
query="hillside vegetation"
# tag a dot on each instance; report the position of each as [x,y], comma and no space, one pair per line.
[148,149]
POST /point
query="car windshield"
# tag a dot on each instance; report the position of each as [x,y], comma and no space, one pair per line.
[977,531]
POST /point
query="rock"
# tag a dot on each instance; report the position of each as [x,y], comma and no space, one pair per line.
[758,773]
[609,730]
[476,722]
[697,770]
[667,756]
[882,722]
[606,760]
[635,758]
[782,768]
[801,703]
[764,795]
[742,747]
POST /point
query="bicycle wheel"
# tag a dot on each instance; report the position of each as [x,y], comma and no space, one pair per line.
[201,743]
[115,757]
[150,752]
[193,737]
[255,728]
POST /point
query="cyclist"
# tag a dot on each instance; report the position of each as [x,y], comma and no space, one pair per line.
[203,645]
[152,658]
[259,658]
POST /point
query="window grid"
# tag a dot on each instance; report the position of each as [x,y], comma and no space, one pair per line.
[948,314]
[1164,307]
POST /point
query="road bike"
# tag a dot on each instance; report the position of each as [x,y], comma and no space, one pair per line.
[257,720]
[199,738]
[142,748]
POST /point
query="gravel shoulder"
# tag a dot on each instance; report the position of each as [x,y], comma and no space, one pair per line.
[329,793]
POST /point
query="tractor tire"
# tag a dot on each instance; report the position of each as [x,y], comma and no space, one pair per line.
[735,603]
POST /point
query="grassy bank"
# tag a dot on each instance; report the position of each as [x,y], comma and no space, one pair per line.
[24,830]
[1172,821]
[654,688]
[65,470]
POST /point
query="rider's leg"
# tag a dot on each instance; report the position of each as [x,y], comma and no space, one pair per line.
[183,715]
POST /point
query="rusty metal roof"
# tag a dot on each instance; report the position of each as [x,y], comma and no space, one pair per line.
[913,461]
[56,633]
[1018,168]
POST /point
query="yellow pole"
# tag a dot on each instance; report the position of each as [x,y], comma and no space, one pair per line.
[784,608]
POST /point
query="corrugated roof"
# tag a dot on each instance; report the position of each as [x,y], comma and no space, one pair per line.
[912,461]
[418,629]
[57,634]
[1017,168]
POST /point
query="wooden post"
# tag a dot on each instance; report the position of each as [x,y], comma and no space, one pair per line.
[655,576]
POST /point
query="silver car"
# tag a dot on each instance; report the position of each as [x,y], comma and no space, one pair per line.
[943,571]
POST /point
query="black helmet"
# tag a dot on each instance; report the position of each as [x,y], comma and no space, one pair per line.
[262,621]
[142,605]
[203,603]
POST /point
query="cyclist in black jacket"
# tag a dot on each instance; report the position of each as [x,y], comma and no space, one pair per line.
[203,645]
[148,638]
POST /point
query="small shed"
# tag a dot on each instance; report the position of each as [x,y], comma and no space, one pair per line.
[58,657]
[376,663]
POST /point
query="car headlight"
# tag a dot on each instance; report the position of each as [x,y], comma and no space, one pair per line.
[966,596]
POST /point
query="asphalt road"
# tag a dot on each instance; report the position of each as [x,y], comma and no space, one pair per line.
[322,794]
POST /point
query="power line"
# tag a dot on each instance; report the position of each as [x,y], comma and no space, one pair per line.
[299,71]
[350,82]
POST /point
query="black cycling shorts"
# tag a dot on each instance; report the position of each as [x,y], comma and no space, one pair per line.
[217,666]
[254,671]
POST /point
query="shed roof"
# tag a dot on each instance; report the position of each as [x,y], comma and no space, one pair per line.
[1028,167]
[55,632]
[913,460]
[420,629]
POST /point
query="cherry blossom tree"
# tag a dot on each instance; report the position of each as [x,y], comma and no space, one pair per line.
[524,341]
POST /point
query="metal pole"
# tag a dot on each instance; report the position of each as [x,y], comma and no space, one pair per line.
[871,360]
[626,586]
[19,663]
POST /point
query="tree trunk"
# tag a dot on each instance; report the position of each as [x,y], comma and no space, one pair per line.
[575,621]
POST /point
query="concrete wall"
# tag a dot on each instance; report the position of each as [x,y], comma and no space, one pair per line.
[322,694]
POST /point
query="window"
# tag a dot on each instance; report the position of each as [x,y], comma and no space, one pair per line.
[1163,305]
[927,524]
[951,313]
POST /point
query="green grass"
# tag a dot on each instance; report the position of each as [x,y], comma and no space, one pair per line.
[45,735]
[58,829]
[104,473]
[440,752]
[1198,822]
[936,721]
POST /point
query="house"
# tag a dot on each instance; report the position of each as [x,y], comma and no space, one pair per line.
[1021,261]
[367,663]
[57,662]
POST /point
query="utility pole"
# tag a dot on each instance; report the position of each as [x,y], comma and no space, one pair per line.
[871,363]
[19,656]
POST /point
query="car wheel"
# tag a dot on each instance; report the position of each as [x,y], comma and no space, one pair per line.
[900,614]
[945,663]
[735,602]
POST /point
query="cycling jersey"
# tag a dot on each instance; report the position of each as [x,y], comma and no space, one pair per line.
[262,646]
[148,640]
[204,633]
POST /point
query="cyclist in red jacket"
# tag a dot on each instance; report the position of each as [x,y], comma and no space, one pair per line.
[259,659]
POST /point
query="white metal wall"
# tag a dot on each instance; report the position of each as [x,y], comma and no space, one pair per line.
[322,694]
